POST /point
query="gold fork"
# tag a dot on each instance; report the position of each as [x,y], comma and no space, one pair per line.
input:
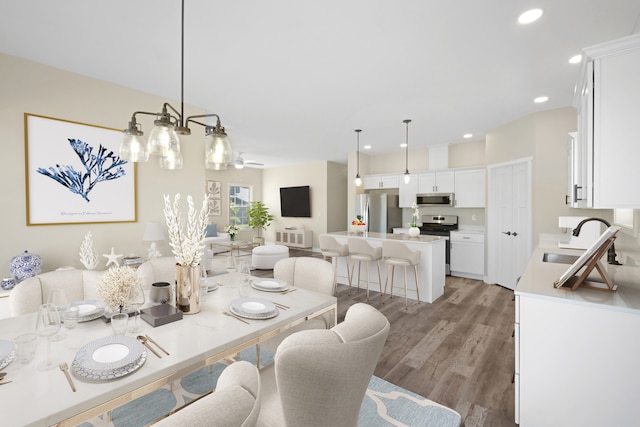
[235,317]
[64,368]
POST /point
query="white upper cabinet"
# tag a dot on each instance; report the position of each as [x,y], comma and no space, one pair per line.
[607,103]
[371,182]
[470,188]
[436,182]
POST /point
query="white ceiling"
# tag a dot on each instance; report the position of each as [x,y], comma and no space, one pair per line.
[292,79]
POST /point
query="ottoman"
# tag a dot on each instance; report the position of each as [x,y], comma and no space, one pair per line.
[265,257]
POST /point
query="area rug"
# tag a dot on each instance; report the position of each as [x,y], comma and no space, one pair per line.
[384,404]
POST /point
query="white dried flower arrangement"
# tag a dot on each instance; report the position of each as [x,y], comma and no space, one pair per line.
[116,286]
[88,253]
[188,247]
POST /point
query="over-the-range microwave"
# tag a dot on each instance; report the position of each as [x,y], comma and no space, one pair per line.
[435,199]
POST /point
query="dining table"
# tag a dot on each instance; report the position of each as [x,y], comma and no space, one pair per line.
[44,398]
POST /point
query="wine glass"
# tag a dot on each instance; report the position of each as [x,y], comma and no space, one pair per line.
[47,325]
[136,300]
[231,263]
[245,277]
[58,298]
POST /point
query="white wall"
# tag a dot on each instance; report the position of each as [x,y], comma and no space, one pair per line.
[29,87]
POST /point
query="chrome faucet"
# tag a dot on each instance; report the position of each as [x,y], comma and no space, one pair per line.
[611,253]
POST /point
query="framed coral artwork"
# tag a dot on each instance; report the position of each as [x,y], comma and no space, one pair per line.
[74,174]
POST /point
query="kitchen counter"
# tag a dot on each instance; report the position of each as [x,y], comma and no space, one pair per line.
[575,351]
[537,280]
[431,270]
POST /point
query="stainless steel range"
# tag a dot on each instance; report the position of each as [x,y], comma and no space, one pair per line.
[440,225]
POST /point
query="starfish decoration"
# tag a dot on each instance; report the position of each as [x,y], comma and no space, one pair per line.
[112,258]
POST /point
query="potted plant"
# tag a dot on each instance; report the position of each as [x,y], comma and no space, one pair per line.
[259,218]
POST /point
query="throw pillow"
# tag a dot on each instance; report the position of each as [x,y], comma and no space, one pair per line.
[211,231]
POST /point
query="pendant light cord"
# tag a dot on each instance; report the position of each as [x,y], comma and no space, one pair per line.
[406,163]
[182,69]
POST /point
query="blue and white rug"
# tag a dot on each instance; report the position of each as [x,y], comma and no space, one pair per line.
[384,404]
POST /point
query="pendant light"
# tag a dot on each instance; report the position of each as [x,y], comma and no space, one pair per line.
[407,177]
[164,140]
[358,179]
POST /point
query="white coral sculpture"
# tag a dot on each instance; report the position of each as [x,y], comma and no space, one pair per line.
[88,254]
[187,246]
[116,286]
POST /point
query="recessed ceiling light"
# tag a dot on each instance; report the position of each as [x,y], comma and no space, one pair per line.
[576,59]
[467,135]
[367,147]
[530,16]
[541,99]
[404,144]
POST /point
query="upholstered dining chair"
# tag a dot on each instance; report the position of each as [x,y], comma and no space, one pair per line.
[319,377]
[313,274]
[335,250]
[361,251]
[234,403]
[398,254]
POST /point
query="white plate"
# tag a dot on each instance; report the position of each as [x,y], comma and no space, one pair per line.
[111,374]
[89,309]
[254,308]
[256,316]
[271,285]
[107,355]
[7,352]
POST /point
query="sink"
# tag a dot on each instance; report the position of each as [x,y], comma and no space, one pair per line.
[559,258]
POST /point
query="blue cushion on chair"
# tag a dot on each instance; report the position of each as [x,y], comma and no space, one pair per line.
[211,231]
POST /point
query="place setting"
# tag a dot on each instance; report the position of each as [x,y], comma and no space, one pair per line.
[252,308]
[269,285]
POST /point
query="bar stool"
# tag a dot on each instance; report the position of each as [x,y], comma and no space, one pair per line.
[333,249]
[360,250]
[399,254]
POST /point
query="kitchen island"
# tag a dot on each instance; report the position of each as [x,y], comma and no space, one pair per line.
[576,352]
[431,270]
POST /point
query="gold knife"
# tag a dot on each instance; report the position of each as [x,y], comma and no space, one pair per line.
[157,345]
[143,340]
[236,317]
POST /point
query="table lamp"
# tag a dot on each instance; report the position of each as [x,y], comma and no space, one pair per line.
[153,233]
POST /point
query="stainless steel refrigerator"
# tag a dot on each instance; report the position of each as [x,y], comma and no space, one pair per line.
[379,210]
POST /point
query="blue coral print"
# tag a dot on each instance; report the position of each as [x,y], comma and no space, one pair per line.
[96,168]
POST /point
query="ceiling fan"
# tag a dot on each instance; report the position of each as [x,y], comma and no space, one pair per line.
[239,162]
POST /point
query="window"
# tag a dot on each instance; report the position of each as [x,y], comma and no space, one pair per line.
[239,199]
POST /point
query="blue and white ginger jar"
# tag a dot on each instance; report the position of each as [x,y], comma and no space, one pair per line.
[25,265]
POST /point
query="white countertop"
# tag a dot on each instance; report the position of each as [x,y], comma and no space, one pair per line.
[539,276]
[387,236]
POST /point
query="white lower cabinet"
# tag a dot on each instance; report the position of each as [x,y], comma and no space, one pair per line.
[295,238]
[576,362]
[467,254]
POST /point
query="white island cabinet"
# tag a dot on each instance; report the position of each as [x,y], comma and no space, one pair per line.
[576,352]
[431,270]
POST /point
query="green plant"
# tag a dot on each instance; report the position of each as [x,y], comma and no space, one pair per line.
[259,216]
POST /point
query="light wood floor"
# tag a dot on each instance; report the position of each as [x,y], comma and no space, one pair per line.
[458,351]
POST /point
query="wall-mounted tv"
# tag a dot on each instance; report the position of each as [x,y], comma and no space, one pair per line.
[295,202]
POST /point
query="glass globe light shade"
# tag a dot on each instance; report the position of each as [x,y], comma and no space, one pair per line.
[358,181]
[217,150]
[161,138]
[173,159]
[407,178]
[133,148]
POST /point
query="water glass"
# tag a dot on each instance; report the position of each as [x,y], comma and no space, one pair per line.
[26,345]
[244,273]
[119,323]
[70,317]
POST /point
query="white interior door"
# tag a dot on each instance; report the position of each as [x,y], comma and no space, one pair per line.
[509,222]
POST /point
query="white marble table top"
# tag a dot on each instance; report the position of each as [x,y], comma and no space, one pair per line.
[43,398]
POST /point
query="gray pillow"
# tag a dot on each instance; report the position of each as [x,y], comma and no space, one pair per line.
[211,231]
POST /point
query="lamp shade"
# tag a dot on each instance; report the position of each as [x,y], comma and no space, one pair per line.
[217,149]
[162,137]
[133,147]
[153,232]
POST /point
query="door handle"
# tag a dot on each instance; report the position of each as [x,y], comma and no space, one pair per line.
[508,233]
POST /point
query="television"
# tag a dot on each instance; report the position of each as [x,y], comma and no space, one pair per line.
[295,202]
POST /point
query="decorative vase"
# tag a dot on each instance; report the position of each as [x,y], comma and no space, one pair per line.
[8,283]
[25,265]
[232,237]
[188,297]
[414,232]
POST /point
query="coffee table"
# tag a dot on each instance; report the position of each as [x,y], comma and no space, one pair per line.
[237,245]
